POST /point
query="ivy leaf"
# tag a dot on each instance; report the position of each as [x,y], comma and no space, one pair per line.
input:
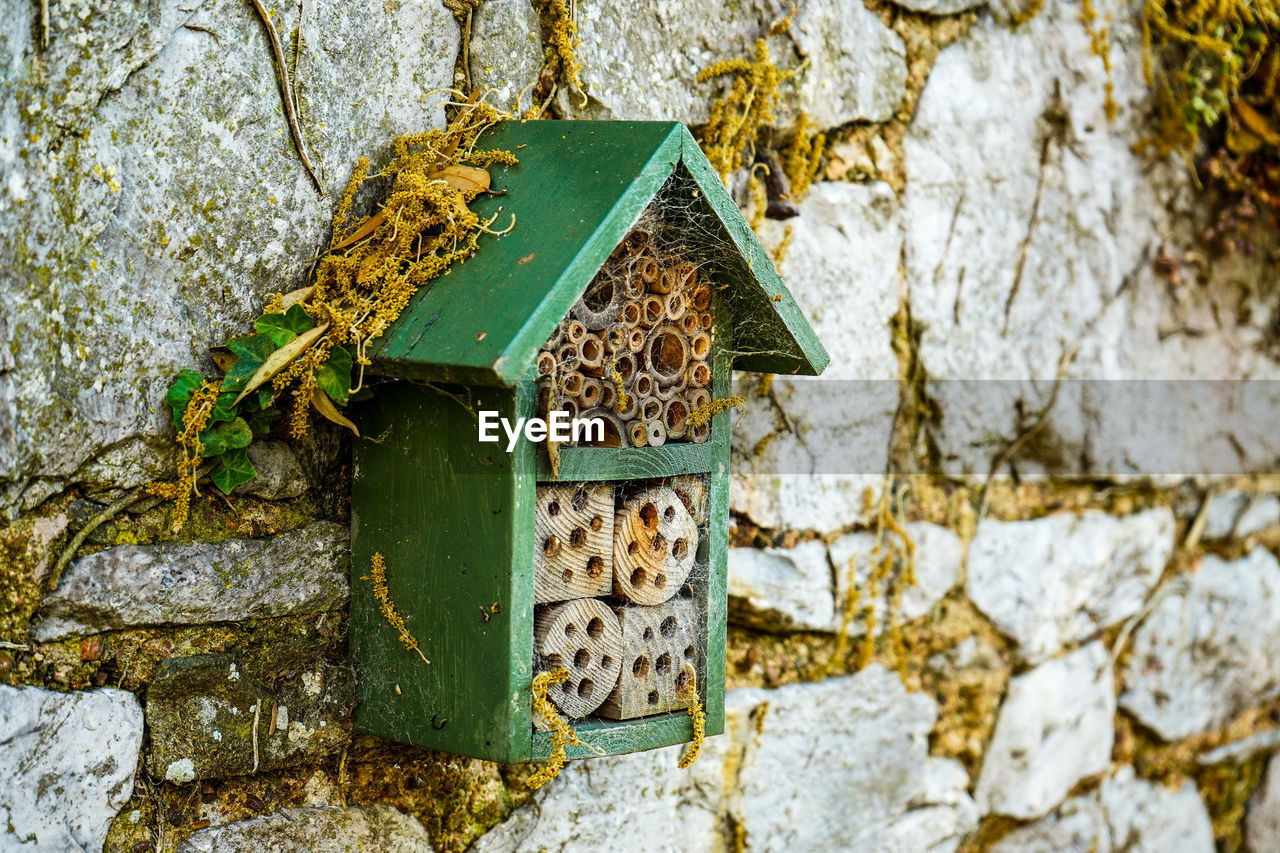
[260,422]
[282,328]
[217,440]
[279,358]
[234,470]
[334,376]
[224,408]
[251,351]
[179,394]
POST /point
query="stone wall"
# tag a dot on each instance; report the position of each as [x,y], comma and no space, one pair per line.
[1077,662]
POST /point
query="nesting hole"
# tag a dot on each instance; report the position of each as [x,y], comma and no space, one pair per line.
[606,662]
[668,626]
[638,578]
[567,575]
[578,537]
[553,508]
[600,294]
[659,543]
[680,549]
[664,663]
[595,628]
[632,547]
[582,658]
[570,629]
[595,567]
[649,515]
[660,582]
[648,634]
[689,652]
[653,697]
[682,682]
[669,513]
[640,667]
[551,546]
[597,523]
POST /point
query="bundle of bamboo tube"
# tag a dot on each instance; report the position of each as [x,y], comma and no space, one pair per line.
[635,349]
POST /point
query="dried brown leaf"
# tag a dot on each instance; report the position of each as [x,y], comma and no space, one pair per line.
[281,357]
[321,403]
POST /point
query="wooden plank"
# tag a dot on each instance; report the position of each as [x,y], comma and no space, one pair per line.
[448,514]
[631,463]
[617,738]
[717,539]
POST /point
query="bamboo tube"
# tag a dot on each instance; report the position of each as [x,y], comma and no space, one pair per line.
[700,296]
[630,410]
[637,434]
[674,306]
[701,433]
[635,285]
[655,540]
[675,416]
[689,323]
[649,272]
[670,392]
[546,363]
[635,241]
[678,277]
[704,321]
[667,353]
[571,384]
[650,408]
[652,311]
[607,395]
[625,365]
[575,331]
[567,357]
[585,638]
[615,337]
[630,312]
[614,430]
[635,340]
[602,300]
[591,355]
[568,405]
[589,395]
[656,431]
[643,385]
[699,375]
[696,398]
[700,346]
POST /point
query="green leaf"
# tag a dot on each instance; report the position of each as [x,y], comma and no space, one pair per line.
[223,437]
[251,352]
[260,422]
[179,394]
[223,408]
[234,470]
[282,328]
[334,376]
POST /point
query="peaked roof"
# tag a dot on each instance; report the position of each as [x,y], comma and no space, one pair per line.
[577,191]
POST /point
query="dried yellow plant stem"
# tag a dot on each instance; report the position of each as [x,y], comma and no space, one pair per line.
[380,592]
[562,734]
[704,413]
[690,688]
[194,421]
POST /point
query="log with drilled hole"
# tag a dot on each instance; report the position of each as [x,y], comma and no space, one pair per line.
[654,547]
[656,642]
[585,638]
[573,536]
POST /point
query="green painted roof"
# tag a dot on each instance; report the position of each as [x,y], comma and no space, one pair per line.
[577,191]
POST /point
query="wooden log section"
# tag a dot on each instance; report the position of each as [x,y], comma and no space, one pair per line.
[656,432]
[674,306]
[635,340]
[546,364]
[575,331]
[585,638]
[656,643]
[689,323]
[699,375]
[589,396]
[637,434]
[692,491]
[654,545]
[650,408]
[630,313]
[700,297]
[573,541]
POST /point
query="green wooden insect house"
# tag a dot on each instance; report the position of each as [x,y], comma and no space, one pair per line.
[627,290]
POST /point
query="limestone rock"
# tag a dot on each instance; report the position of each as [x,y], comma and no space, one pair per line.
[302,571]
[1207,651]
[1060,579]
[804,457]
[153,198]
[67,762]
[324,829]
[782,589]
[506,52]
[1055,728]
[279,474]
[1224,509]
[843,764]
[1262,822]
[939,554]
[201,712]
[1076,826]
[939,7]
[642,61]
[1263,512]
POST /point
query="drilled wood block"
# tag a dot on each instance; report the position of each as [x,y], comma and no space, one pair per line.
[573,544]
[654,546]
[692,491]
[656,643]
[585,638]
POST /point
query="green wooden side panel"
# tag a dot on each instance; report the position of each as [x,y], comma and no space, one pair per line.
[579,187]
[447,512]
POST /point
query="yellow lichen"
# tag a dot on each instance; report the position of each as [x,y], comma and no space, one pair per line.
[688,687]
[803,156]
[1100,43]
[706,412]
[779,254]
[620,397]
[562,734]
[380,592]
[194,420]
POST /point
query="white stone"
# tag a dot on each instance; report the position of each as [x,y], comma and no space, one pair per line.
[1224,510]
[1055,728]
[641,61]
[1263,513]
[782,589]
[1207,651]
[938,557]
[1076,826]
[506,52]
[938,7]
[164,200]
[1144,817]
[322,829]
[1057,580]
[67,763]
[299,572]
[843,764]
[1262,821]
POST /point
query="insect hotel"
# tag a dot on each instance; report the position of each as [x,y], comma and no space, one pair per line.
[628,289]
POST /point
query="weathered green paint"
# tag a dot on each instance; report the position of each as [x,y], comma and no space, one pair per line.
[576,192]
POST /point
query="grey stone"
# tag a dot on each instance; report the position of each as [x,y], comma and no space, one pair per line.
[1057,580]
[67,763]
[1223,511]
[1263,512]
[1055,728]
[322,829]
[938,557]
[202,710]
[1262,821]
[782,589]
[152,198]
[642,61]
[299,572]
[1207,651]
[1031,226]
[279,474]
[939,7]
[506,52]
[804,457]
[843,764]
[1244,750]
[1123,814]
